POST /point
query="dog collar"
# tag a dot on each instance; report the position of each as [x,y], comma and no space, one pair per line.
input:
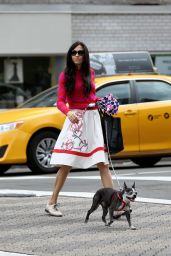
[117,195]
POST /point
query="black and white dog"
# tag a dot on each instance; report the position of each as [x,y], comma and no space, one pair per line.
[112,200]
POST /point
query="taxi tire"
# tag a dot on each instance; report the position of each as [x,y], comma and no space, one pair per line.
[146,161]
[32,161]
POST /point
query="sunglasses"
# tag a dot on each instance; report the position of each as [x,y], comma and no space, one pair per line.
[80,53]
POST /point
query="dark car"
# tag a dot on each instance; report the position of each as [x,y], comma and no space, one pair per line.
[11,96]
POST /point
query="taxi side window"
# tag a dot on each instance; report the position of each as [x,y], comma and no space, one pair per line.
[121,91]
[148,91]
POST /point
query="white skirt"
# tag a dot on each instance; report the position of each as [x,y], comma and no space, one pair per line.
[80,145]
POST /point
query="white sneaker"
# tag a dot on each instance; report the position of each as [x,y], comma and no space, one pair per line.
[53,210]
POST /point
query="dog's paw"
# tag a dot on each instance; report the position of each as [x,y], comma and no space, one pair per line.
[109,223]
[132,228]
[86,221]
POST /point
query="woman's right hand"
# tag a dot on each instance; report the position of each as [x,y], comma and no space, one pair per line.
[72,117]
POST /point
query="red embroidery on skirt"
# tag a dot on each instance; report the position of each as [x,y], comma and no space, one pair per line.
[84,154]
[76,140]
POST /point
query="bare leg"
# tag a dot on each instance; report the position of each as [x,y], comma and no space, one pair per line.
[59,182]
[105,174]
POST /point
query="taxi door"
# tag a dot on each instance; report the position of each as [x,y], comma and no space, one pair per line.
[154,110]
[129,122]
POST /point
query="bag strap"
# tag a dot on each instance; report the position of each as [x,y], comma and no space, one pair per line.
[110,160]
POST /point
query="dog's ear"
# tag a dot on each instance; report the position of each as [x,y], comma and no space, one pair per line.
[133,186]
[125,186]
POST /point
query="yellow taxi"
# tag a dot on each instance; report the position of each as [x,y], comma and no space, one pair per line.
[28,133]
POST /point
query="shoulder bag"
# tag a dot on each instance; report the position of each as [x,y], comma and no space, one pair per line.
[112,132]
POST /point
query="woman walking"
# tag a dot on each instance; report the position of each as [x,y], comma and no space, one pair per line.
[80,143]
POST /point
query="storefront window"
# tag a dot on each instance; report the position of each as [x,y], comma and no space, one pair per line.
[24,77]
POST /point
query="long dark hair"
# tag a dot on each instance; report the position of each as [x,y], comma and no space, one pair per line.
[70,70]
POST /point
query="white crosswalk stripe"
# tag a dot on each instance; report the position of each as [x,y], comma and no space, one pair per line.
[13,193]
[12,254]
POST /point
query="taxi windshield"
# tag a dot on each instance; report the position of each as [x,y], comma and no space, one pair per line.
[44,99]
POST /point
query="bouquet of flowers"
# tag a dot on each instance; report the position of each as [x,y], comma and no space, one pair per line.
[108,104]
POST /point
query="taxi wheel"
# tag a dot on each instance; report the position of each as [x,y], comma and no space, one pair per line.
[4,167]
[146,161]
[39,152]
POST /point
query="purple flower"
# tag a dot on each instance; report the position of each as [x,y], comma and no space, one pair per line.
[108,104]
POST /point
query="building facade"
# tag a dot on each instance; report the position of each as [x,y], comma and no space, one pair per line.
[35,35]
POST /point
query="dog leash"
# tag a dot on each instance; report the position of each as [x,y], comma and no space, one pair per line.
[93,105]
[110,160]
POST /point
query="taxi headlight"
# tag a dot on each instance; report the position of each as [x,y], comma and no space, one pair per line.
[10,126]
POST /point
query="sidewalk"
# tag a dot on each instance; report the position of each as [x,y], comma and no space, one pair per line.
[26,229]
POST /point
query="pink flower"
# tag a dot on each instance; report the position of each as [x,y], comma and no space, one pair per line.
[68,145]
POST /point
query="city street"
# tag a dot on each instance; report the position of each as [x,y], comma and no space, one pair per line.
[150,182]
[26,229]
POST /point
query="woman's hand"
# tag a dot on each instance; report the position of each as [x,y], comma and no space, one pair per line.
[72,117]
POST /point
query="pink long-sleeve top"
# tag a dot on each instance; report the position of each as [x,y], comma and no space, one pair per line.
[77,100]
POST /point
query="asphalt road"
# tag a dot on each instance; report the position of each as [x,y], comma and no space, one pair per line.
[27,230]
[150,182]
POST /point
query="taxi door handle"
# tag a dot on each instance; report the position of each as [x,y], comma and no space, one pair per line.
[130,112]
